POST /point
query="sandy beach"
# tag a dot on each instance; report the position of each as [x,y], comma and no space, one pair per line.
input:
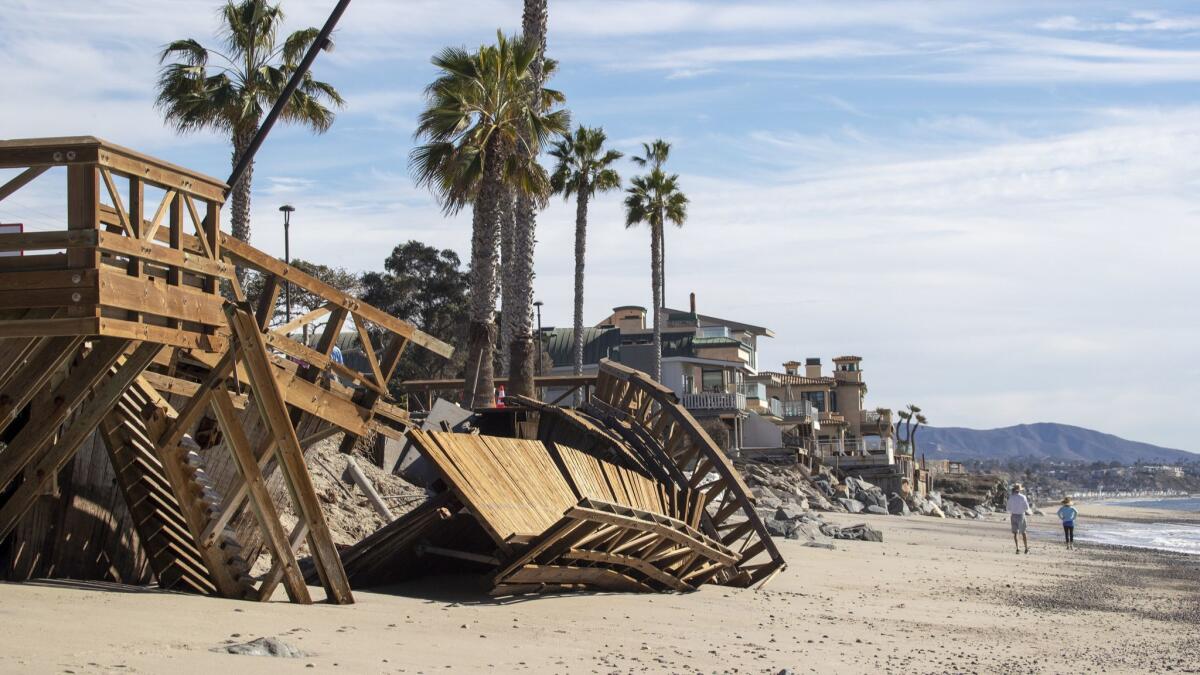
[936,596]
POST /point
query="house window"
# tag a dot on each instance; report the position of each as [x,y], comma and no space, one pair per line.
[816,398]
[689,384]
[713,380]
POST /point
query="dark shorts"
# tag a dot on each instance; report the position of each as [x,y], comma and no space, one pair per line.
[1018,522]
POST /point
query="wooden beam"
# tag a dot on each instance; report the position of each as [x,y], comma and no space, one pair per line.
[273,408]
[21,180]
[260,497]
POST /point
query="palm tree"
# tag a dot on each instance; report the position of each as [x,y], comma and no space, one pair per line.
[655,199]
[904,418]
[912,436]
[230,92]
[517,314]
[583,168]
[483,131]
[654,155]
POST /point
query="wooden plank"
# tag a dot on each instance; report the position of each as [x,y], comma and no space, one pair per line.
[301,321]
[590,576]
[56,239]
[48,279]
[21,180]
[116,244]
[365,340]
[633,563]
[148,296]
[260,498]
[174,337]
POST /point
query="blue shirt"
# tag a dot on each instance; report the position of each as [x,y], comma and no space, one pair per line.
[336,355]
[1067,514]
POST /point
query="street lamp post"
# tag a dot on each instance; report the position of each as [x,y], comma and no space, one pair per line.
[287,210]
[538,362]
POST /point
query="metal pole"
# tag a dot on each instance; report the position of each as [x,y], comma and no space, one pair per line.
[538,356]
[319,43]
[287,210]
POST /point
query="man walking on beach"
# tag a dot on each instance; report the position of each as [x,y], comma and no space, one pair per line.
[1018,504]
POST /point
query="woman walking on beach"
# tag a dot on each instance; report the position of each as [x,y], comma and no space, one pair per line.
[1067,514]
[1018,505]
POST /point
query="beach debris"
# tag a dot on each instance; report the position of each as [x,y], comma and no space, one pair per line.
[859,532]
[268,646]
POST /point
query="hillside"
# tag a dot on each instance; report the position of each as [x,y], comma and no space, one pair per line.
[1059,442]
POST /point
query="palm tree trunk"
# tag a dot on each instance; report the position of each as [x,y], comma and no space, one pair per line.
[581,210]
[656,282]
[520,366]
[912,441]
[662,260]
[479,375]
[506,214]
[240,202]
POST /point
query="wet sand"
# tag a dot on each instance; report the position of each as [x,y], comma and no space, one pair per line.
[936,596]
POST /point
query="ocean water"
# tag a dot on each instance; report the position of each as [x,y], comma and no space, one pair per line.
[1162,536]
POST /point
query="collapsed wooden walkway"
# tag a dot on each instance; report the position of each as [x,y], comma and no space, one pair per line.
[106,321]
[627,494]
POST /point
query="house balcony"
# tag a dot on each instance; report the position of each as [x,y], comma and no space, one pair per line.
[713,401]
[874,422]
[858,450]
[798,411]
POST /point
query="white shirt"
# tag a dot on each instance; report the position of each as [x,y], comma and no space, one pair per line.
[1018,504]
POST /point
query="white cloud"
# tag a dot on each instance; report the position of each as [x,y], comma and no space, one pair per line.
[1136,22]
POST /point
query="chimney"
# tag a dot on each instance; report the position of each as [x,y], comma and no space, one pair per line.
[792,367]
[812,367]
[692,298]
[629,317]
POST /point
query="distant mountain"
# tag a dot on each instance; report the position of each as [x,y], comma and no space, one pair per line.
[1044,440]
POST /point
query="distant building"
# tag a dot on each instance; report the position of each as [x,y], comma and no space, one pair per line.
[1161,470]
[706,360]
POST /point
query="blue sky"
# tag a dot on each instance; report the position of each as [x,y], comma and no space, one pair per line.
[993,203]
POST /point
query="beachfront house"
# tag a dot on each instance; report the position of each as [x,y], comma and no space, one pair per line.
[709,363]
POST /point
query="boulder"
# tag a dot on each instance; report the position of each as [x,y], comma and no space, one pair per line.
[778,528]
[788,512]
[876,497]
[851,505]
[768,502]
[897,506]
[935,511]
[877,510]
[860,532]
[936,498]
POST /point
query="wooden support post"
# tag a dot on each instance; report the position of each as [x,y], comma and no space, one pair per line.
[266,301]
[272,407]
[260,498]
[83,213]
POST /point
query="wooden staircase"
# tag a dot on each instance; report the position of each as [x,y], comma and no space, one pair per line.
[150,478]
